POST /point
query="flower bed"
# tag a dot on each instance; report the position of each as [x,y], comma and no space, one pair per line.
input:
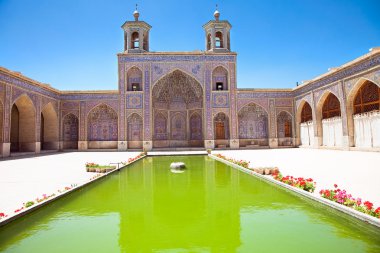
[242,163]
[342,197]
[94,167]
[132,159]
[306,184]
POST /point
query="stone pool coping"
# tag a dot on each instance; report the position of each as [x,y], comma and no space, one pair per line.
[352,212]
[36,206]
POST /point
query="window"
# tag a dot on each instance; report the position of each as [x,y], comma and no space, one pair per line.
[135,86]
[219,86]
[218,40]
[135,40]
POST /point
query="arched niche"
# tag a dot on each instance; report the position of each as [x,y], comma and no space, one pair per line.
[219,40]
[284,129]
[253,125]
[219,79]
[70,128]
[135,42]
[49,128]
[363,117]
[134,79]
[102,127]
[175,97]
[305,127]
[329,121]
[135,131]
[221,127]
[23,125]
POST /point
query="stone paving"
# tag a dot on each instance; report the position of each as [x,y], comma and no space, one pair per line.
[355,171]
[24,179]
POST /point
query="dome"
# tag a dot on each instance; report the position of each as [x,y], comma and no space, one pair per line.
[216,14]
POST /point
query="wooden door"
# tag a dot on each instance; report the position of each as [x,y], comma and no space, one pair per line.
[288,129]
[220,133]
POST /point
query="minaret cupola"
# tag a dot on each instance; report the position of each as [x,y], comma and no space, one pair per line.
[136,35]
[217,34]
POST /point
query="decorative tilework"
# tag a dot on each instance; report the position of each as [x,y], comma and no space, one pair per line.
[28,86]
[122,124]
[114,104]
[7,110]
[178,58]
[82,124]
[372,62]
[135,101]
[284,103]
[193,69]
[263,102]
[220,100]
[209,121]
[72,105]
[233,100]
[147,125]
[266,94]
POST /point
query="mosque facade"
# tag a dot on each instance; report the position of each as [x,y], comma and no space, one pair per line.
[190,100]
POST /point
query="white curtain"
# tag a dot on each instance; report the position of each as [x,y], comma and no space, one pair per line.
[311,132]
[367,129]
[332,132]
[304,134]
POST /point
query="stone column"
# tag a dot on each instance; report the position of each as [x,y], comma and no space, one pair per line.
[147,143]
[225,39]
[6,145]
[317,138]
[343,112]
[212,38]
[82,143]
[141,40]
[273,141]
[128,40]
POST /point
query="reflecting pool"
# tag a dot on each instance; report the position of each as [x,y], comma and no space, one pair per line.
[210,207]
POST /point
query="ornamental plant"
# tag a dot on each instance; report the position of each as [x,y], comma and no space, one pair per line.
[342,197]
[306,184]
[242,163]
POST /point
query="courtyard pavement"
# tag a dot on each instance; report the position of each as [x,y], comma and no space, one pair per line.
[25,179]
[355,171]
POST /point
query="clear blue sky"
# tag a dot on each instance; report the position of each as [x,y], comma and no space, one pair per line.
[73,44]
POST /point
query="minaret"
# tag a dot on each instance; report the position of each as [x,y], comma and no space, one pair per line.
[136,35]
[217,34]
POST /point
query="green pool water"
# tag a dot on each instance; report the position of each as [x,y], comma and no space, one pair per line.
[211,207]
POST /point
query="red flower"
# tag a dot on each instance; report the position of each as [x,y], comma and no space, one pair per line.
[377,210]
[368,205]
[335,185]
[2,215]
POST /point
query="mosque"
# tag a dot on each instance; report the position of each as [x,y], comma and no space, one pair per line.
[190,100]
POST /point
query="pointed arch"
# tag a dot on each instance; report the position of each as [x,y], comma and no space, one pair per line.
[304,124]
[221,126]
[135,131]
[23,125]
[160,127]
[49,128]
[196,127]
[253,122]
[70,128]
[102,126]
[134,79]
[329,121]
[284,129]
[178,127]
[220,79]
[363,119]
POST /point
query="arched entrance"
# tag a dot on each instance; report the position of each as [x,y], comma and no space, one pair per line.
[176,97]
[70,131]
[329,121]
[49,128]
[23,125]
[305,122]
[284,129]
[135,131]
[253,126]
[102,131]
[221,130]
[363,114]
